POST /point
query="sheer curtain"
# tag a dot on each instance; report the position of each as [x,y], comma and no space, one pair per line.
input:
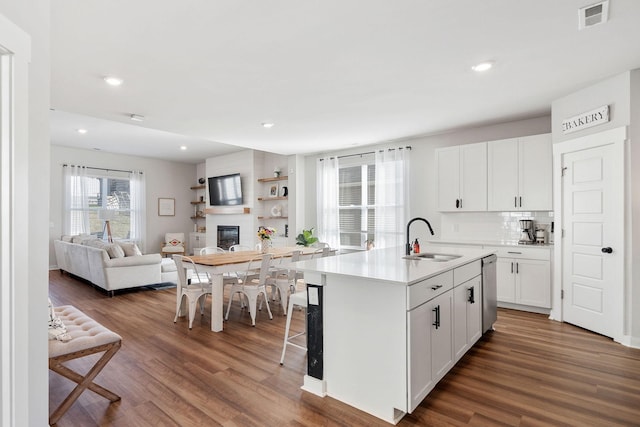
[327,201]
[392,196]
[138,208]
[76,200]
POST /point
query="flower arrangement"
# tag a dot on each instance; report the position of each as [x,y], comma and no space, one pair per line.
[265,233]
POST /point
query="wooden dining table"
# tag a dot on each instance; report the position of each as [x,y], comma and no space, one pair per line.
[218,264]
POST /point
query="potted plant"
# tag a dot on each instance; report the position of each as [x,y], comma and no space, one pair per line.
[306,238]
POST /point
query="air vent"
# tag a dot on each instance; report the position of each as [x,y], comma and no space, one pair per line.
[593,15]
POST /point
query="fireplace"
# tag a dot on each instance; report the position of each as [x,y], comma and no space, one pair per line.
[228,235]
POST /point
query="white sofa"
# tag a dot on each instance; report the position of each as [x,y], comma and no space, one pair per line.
[91,261]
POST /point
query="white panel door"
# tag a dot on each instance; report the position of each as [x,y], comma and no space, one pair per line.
[533,282]
[441,335]
[535,175]
[448,176]
[502,174]
[419,322]
[473,177]
[505,280]
[460,341]
[593,190]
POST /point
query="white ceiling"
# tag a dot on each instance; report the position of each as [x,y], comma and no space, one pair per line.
[330,74]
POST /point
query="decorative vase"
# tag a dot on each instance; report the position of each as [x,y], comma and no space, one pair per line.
[265,246]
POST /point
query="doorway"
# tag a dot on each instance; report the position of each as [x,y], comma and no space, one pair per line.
[592,243]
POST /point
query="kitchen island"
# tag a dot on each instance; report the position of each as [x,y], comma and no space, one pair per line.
[383,329]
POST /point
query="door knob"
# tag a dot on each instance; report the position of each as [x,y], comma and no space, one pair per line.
[607,250]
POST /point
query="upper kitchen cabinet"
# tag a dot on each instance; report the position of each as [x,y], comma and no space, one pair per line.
[520,174]
[462,178]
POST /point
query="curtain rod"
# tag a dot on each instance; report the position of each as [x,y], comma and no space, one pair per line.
[408,147]
[103,169]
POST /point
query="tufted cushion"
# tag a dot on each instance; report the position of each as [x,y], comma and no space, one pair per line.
[85,332]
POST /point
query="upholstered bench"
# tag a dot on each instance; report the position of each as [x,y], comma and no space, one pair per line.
[87,337]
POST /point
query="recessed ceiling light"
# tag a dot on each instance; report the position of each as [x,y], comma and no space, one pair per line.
[183,147]
[136,117]
[267,125]
[113,81]
[82,131]
[483,66]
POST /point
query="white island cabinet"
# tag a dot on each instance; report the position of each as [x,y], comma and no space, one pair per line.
[391,327]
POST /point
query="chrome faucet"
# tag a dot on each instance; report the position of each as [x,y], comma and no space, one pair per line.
[408,247]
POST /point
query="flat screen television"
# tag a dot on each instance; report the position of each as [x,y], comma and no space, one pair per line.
[225,190]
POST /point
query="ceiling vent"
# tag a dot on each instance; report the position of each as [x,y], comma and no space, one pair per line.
[595,14]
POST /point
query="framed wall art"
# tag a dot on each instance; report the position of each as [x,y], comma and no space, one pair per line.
[166,206]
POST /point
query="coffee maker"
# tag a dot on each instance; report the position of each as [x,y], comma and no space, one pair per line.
[526,232]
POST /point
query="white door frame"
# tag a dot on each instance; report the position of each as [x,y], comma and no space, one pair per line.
[15,52]
[618,138]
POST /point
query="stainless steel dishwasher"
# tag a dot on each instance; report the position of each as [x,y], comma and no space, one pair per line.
[489,293]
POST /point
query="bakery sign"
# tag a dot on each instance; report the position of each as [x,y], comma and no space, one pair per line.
[586,120]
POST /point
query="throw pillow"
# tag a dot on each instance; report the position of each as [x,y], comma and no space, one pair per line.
[115,251]
[130,248]
[67,238]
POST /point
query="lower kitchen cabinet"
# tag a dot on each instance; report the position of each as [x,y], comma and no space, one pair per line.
[467,316]
[430,345]
[523,280]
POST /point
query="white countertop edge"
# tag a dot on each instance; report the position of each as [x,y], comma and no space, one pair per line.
[388,266]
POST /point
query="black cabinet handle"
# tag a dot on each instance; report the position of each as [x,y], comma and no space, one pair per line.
[515,201]
[520,201]
[460,203]
[511,268]
[607,250]
[436,287]
[437,312]
[517,272]
[472,298]
[457,203]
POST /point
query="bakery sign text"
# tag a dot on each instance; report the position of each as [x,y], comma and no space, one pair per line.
[586,120]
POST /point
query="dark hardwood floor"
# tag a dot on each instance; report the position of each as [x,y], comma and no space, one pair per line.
[529,372]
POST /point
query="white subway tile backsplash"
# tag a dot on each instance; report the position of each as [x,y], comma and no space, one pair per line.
[499,226]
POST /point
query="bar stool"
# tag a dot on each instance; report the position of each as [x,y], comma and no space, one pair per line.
[299,299]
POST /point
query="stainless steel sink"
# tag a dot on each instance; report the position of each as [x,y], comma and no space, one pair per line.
[431,256]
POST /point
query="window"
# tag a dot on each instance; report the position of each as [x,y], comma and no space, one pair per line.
[356,201]
[95,196]
[363,199]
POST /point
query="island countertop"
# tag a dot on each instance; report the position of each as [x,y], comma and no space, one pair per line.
[388,264]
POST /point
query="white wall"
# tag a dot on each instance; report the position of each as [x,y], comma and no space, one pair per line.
[622,94]
[163,179]
[241,162]
[423,179]
[31,161]
[251,165]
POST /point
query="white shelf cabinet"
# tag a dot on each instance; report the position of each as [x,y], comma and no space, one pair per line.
[462,178]
[520,174]
[524,277]
[197,241]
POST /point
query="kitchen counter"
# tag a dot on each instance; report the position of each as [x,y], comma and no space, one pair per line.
[383,330]
[388,265]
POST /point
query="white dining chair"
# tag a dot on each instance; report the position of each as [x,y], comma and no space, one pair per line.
[283,279]
[212,250]
[252,286]
[296,299]
[194,288]
[238,248]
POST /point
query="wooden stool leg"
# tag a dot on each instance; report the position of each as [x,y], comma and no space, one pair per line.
[83,382]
